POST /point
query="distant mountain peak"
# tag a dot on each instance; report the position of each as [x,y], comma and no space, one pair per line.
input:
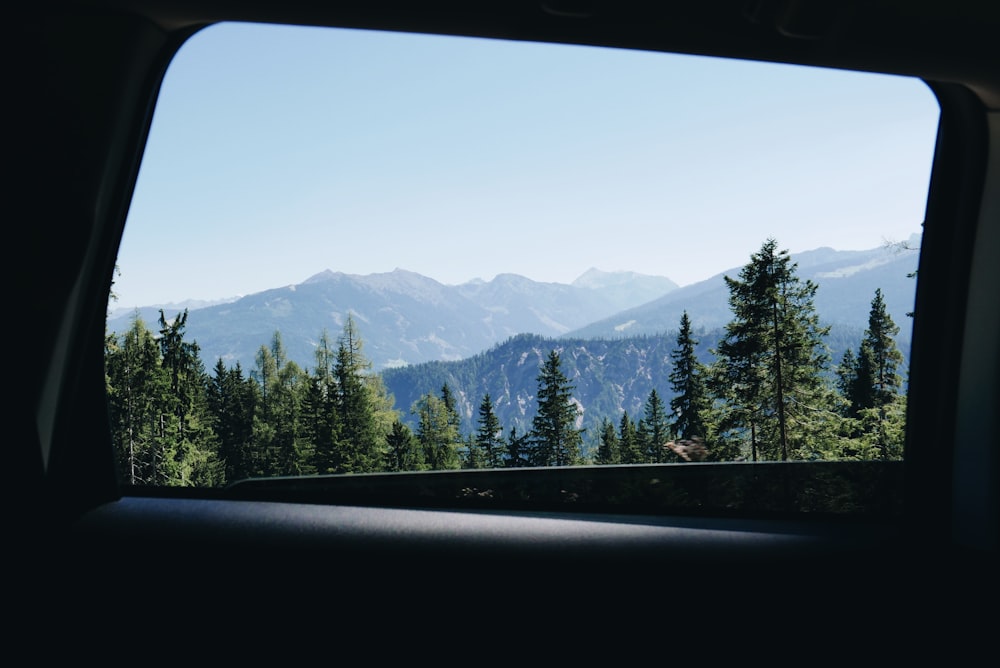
[598,278]
[325,275]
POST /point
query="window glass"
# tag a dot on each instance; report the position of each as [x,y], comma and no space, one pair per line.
[366,252]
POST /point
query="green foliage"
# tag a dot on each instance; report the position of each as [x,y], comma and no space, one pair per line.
[608,451]
[630,452]
[871,389]
[161,425]
[281,433]
[555,438]
[489,436]
[232,402]
[403,453]
[768,380]
[436,433]
[518,449]
[358,447]
[653,430]
[764,393]
[690,404]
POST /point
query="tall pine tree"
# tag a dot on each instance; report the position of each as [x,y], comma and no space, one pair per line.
[555,438]
[653,429]
[689,405]
[489,435]
[629,450]
[769,373]
[436,433]
[872,387]
[188,444]
[232,402]
[137,384]
[608,451]
[404,453]
[360,448]
[320,416]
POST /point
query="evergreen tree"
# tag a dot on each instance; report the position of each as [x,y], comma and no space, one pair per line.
[847,377]
[436,433]
[265,374]
[188,451]
[320,408]
[489,436]
[690,404]
[518,449]
[452,406]
[384,411]
[404,453]
[880,342]
[554,436]
[284,446]
[628,441]
[180,359]
[296,451]
[653,430]
[360,438]
[771,360]
[472,456]
[137,384]
[232,400]
[871,386]
[608,451]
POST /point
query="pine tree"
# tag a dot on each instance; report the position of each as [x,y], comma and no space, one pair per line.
[384,411]
[436,433]
[653,430]
[320,418]
[555,438]
[472,456]
[404,453]
[608,451]
[518,449]
[628,441]
[872,386]
[265,374]
[449,402]
[137,384]
[232,400]
[489,435]
[285,447]
[847,376]
[690,404]
[188,449]
[880,341]
[361,439]
[771,360]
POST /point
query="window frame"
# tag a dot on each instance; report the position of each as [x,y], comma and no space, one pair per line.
[77,466]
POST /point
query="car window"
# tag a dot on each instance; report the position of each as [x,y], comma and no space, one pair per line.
[359,252]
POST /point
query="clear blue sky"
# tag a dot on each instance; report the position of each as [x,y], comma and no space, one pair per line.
[278,153]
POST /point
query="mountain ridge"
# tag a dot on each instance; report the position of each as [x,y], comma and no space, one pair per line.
[405,318]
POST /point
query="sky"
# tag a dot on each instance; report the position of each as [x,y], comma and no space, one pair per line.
[276,153]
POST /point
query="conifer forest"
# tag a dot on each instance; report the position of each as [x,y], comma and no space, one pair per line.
[770,392]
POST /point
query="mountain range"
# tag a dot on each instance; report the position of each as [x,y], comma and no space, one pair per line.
[405,318]
[847,281]
[614,330]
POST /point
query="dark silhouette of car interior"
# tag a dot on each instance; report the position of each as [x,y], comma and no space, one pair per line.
[84,79]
